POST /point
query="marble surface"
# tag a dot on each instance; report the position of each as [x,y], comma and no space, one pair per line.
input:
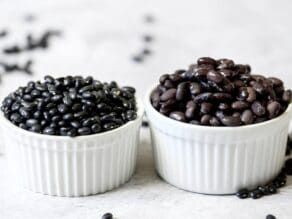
[98,38]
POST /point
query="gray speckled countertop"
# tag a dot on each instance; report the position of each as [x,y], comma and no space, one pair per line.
[99,37]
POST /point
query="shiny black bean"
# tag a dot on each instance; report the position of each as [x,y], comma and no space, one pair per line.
[214,121]
[287,96]
[242,194]
[190,112]
[84,131]
[107,216]
[49,131]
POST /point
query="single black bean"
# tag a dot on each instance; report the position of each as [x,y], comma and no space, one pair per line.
[169,94]
[31,122]
[177,115]
[15,118]
[206,61]
[84,131]
[242,194]
[204,97]
[258,108]
[195,88]
[247,117]
[287,96]
[206,107]
[205,119]
[190,112]
[214,76]
[182,91]
[274,109]
[231,121]
[270,216]
[107,216]
[214,121]
[239,105]
[256,194]
[49,131]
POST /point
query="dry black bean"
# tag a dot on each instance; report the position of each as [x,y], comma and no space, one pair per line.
[70,106]
[258,108]
[107,216]
[177,115]
[247,117]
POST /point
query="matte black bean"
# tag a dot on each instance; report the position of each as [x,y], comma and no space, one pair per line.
[270,216]
[182,91]
[206,108]
[225,64]
[204,97]
[287,96]
[239,105]
[231,121]
[206,61]
[222,97]
[258,108]
[214,76]
[15,117]
[190,112]
[214,121]
[169,94]
[195,88]
[205,119]
[177,115]
[274,109]
[247,117]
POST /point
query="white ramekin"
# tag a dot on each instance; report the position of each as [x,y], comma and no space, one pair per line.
[217,160]
[80,166]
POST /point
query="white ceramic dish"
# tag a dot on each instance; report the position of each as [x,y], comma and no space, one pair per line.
[80,166]
[217,160]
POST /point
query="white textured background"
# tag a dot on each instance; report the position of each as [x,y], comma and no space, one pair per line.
[99,37]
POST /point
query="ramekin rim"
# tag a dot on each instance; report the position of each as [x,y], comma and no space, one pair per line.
[140,114]
[151,109]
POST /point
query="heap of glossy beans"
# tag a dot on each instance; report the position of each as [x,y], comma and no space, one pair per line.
[70,106]
[220,93]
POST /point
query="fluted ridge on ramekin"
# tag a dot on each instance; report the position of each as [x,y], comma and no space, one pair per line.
[218,160]
[74,168]
[64,166]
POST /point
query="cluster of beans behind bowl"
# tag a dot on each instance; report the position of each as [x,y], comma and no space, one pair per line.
[220,93]
[70,106]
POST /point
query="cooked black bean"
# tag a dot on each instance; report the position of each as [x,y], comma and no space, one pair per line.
[70,106]
[258,108]
[231,121]
[206,108]
[182,91]
[239,105]
[224,91]
[177,115]
[274,109]
[169,94]
[247,117]
[214,76]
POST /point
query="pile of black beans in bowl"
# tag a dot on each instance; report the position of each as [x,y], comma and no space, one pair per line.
[70,106]
[220,93]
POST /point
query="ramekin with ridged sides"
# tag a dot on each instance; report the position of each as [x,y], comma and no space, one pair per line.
[217,160]
[80,166]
